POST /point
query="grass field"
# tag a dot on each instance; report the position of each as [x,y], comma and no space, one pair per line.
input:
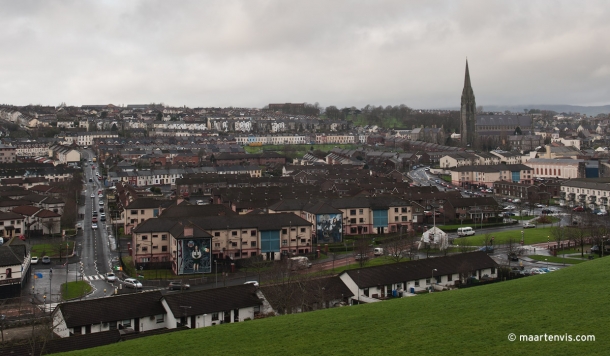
[52,249]
[76,289]
[472,321]
[530,236]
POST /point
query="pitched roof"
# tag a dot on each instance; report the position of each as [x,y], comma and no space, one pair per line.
[419,269]
[209,301]
[120,307]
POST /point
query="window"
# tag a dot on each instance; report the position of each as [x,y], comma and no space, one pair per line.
[233,233]
[244,232]
[417,283]
[126,323]
[352,220]
[302,229]
[112,325]
[163,237]
[493,270]
[144,248]
[253,244]
[352,230]
[134,212]
[361,211]
[155,247]
[396,218]
[361,220]
[449,277]
[144,237]
[352,212]
[155,236]
[395,210]
[217,244]
[217,233]
[404,210]
[427,280]
[404,218]
[284,242]
[141,211]
[365,229]
[252,232]
[284,231]
[233,244]
[164,248]
[214,316]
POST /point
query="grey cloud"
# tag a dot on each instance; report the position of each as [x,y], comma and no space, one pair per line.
[250,53]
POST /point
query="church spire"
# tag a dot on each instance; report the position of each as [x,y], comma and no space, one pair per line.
[467,85]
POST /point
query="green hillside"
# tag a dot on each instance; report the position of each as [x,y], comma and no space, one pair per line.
[476,320]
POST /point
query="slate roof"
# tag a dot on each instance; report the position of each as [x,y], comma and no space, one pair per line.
[121,307]
[492,168]
[148,203]
[12,253]
[419,269]
[504,120]
[186,211]
[209,301]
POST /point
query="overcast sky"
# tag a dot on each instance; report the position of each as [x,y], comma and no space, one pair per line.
[345,53]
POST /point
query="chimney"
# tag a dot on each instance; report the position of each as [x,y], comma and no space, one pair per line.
[188,231]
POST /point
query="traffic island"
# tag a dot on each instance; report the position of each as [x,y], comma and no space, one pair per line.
[74,290]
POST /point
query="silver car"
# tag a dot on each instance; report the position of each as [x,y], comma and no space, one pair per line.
[132,283]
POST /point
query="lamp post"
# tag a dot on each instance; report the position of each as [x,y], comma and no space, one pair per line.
[522,238]
[548,242]
[44,302]
[432,280]
[216,263]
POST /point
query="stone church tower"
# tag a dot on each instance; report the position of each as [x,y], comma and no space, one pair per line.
[467,112]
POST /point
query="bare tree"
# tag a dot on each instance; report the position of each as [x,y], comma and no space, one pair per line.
[396,248]
[362,249]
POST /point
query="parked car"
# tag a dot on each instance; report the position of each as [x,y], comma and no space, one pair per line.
[110,277]
[46,260]
[78,226]
[528,225]
[547,211]
[103,217]
[488,249]
[178,286]
[34,260]
[101,210]
[602,213]
[578,209]
[255,283]
[360,256]
[132,283]
[513,257]
[538,205]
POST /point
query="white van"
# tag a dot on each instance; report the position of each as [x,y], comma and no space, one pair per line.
[465,231]
[299,262]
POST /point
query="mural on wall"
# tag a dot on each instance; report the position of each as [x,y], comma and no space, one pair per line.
[329,228]
[194,256]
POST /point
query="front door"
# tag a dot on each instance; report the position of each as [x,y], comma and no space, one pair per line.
[236,315]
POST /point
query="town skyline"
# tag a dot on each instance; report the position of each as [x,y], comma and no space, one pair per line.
[249,54]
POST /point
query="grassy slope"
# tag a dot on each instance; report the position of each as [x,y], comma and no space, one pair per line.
[469,321]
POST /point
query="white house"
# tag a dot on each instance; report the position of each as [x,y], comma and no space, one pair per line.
[14,267]
[380,282]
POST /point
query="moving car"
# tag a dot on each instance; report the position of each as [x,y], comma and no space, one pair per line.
[132,283]
[547,211]
[34,260]
[92,195]
[46,260]
[94,219]
[94,226]
[465,231]
[360,256]
[110,277]
[578,209]
[528,225]
[178,286]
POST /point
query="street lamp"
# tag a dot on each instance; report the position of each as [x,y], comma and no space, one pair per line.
[432,280]
[216,263]
[548,242]
[522,240]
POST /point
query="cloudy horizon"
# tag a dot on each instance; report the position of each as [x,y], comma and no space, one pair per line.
[344,53]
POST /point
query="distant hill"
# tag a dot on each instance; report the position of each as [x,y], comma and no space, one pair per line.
[587,110]
[472,321]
